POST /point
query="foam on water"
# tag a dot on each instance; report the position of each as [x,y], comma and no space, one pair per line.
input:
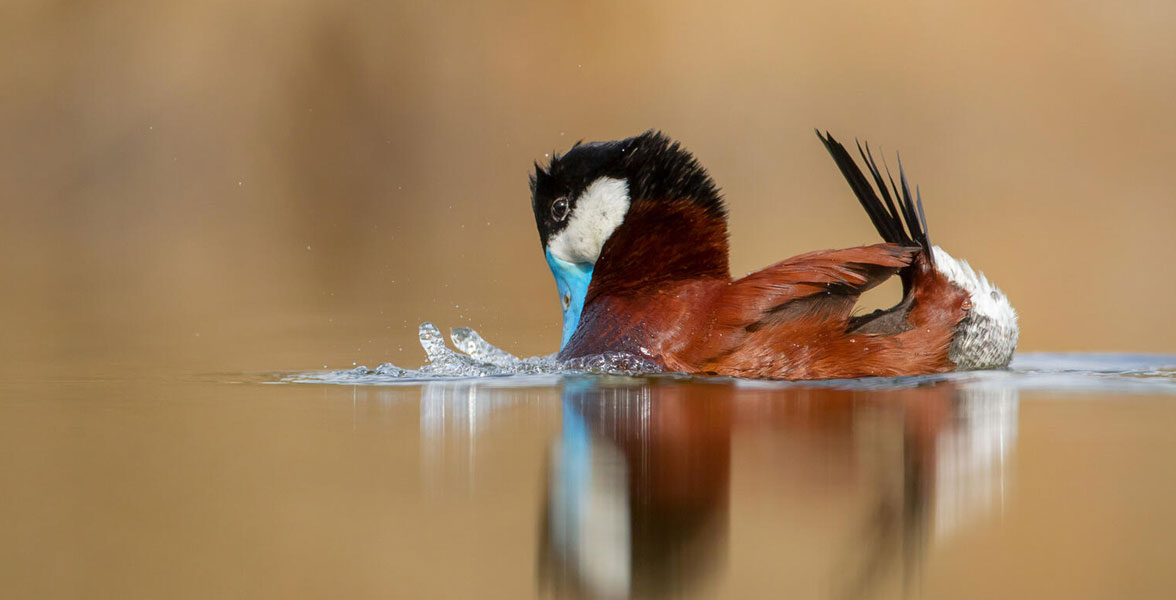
[475,357]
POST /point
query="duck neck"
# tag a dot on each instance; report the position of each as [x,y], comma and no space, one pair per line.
[661,243]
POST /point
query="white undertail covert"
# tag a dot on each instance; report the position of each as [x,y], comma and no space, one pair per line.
[987,337]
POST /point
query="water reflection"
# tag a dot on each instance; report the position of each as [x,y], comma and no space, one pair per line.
[639,480]
[454,416]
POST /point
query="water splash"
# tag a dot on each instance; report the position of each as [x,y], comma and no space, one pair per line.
[475,357]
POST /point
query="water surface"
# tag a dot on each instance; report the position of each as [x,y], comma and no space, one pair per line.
[1055,479]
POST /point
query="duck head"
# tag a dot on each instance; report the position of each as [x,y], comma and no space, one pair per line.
[623,215]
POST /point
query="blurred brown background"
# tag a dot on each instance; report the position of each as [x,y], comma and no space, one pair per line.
[283,185]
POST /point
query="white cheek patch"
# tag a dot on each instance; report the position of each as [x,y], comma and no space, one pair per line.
[598,213]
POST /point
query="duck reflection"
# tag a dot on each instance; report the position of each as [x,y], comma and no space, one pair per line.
[639,479]
[638,487]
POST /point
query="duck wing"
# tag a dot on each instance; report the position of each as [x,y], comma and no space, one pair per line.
[768,323]
[825,281]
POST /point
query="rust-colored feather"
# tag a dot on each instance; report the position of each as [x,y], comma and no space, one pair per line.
[809,336]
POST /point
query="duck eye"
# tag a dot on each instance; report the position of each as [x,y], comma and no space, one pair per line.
[559,209]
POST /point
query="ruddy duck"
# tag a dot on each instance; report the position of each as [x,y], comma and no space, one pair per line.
[635,233]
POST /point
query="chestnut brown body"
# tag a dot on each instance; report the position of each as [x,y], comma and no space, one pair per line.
[790,321]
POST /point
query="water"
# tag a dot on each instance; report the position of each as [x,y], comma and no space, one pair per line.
[481,475]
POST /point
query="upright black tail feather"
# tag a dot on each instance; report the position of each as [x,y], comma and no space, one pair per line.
[902,224]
